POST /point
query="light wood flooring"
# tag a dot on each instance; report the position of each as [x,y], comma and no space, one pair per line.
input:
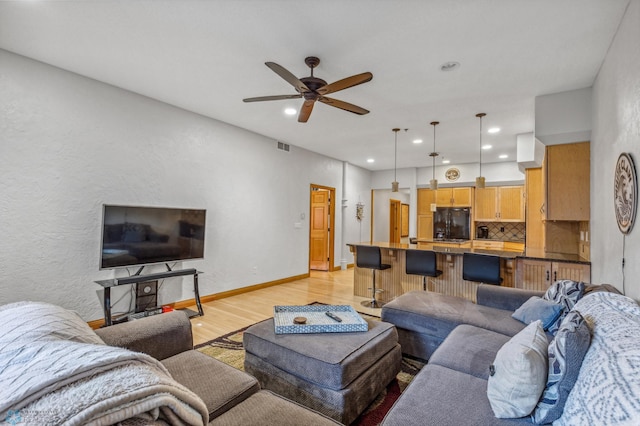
[232,313]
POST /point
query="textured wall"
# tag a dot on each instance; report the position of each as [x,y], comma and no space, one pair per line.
[69,144]
[616,129]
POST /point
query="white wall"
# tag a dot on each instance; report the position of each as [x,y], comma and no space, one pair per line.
[69,144]
[616,129]
[358,184]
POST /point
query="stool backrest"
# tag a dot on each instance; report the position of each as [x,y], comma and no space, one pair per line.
[481,268]
[368,257]
[421,262]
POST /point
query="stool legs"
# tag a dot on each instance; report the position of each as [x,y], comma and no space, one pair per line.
[373,303]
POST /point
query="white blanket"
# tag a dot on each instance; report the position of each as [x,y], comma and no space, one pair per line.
[54,370]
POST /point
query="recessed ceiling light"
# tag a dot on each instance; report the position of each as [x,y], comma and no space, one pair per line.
[487,146]
[494,130]
[449,66]
[503,156]
[370,160]
[446,161]
[290,111]
[416,141]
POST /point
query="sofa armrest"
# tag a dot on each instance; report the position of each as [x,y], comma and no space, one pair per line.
[506,298]
[160,336]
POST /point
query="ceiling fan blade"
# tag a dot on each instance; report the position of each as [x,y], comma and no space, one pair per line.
[345,83]
[290,78]
[305,111]
[343,105]
[272,98]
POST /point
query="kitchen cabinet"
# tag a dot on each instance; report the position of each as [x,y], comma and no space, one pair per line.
[511,246]
[488,245]
[426,197]
[566,172]
[539,274]
[500,204]
[454,197]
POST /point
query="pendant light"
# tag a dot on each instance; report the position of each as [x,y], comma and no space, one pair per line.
[394,184]
[480,178]
[433,183]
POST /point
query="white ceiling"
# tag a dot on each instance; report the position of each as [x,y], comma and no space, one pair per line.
[206,56]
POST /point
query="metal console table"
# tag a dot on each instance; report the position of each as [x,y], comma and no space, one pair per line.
[134,279]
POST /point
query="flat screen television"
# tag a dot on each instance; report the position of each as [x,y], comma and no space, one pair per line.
[138,236]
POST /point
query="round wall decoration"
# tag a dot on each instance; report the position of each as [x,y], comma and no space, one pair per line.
[452,174]
[625,193]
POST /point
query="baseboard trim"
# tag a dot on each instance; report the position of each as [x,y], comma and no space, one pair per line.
[216,296]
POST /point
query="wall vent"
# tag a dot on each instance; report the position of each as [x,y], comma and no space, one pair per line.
[283,146]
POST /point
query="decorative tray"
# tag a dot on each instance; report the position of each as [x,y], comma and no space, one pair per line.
[317,320]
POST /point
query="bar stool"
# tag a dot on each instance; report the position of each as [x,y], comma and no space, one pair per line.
[370,257]
[481,268]
[422,262]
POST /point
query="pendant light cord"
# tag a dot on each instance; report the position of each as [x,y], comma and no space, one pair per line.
[434,151]
[480,146]
[623,247]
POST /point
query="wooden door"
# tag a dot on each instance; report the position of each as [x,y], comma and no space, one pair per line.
[485,206]
[571,271]
[533,274]
[395,221]
[319,233]
[511,204]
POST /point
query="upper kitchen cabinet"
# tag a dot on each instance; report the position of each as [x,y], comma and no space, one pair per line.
[566,172]
[500,204]
[454,197]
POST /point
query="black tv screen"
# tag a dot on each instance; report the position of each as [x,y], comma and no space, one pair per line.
[133,236]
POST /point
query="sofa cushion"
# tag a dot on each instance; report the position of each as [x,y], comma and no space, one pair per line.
[331,360]
[438,314]
[519,373]
[566,293]
[608,387]
[266,408]
[225,388]
[439,396]
[566,352]
[480,349]
[537,308]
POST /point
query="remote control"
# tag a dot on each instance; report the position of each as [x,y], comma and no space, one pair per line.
[333,316]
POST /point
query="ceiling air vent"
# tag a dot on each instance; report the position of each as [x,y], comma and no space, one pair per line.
[283,146]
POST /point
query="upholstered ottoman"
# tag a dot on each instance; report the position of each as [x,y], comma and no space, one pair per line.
[337,374]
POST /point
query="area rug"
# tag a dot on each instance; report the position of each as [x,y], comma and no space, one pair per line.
[229,349]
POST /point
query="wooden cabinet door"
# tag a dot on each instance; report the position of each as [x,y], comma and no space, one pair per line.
[425,227]
[486,203]
[534,209]
[532,274]
[571,271]
[461,197]
[567,178]
[511,204]
[488,245]
[511,246]
[444,197]
[426,197]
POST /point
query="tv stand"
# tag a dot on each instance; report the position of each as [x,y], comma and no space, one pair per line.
[137,278]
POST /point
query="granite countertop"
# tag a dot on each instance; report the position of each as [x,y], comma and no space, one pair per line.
[537,254]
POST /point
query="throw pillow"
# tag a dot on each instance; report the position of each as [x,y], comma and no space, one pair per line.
[519,373]
[537,308]
[566,352]
[566,293]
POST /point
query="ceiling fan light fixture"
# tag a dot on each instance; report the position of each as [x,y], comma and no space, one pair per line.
[480,181]
[395,184]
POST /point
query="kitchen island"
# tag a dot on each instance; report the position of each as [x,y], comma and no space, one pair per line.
[394,281]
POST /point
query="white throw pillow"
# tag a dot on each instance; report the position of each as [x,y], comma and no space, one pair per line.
[519,373]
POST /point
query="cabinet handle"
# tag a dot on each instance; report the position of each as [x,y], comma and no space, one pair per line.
[547,275]
[542,208]
[555,276]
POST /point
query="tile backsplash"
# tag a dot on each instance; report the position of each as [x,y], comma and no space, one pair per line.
[507,231]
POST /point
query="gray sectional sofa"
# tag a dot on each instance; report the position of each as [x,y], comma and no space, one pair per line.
[460,340]
[52,362]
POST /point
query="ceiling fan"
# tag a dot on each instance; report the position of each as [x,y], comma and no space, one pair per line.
[313,89]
